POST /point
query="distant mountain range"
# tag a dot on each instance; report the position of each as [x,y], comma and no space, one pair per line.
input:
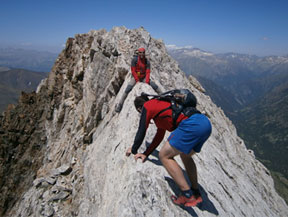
[253,92]
[13,81]
[244,76]
[22,70]
[40,61]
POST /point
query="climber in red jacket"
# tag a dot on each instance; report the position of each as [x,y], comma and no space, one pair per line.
[187,139]
[140,68]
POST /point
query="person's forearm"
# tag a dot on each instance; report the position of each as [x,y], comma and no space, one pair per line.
[156,141]
[140,135]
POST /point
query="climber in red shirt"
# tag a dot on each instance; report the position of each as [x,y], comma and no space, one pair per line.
[140,68]
[187,139]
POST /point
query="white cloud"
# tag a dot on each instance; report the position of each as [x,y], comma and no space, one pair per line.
[171,46]
[175,47]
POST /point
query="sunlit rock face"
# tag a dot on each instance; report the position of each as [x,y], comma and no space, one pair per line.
[80,167]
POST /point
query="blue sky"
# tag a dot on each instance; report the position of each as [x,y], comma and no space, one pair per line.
[244,26]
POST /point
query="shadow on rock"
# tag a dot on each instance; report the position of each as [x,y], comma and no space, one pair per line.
[155,153]
[155,161]
[206,205]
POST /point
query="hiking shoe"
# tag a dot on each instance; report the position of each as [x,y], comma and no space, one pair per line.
[118,108]
[182,200]
[193,201]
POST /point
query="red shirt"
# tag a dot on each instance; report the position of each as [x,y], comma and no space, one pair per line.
[163,121]
[141,66]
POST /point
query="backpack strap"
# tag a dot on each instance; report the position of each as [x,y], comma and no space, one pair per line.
[163,110]
[136,61]
[175,113]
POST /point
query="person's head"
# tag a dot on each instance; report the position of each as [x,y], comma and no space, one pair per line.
[139,102]
[141,52]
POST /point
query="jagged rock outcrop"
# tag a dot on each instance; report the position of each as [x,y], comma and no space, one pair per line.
[81,168]
[22,147]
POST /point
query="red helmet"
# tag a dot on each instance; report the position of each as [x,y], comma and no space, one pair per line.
[141,49]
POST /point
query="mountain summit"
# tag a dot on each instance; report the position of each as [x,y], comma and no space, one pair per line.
[63,148]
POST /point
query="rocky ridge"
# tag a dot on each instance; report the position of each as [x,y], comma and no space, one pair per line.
[78,165]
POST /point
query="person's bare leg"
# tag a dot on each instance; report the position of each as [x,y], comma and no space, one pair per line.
[191,168]
[167,154]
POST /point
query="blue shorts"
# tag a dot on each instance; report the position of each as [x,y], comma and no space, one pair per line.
[191,134]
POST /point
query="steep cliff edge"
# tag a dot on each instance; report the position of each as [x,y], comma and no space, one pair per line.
[72,161]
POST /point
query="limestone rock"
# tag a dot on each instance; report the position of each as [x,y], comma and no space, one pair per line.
[63,170]
[83,132]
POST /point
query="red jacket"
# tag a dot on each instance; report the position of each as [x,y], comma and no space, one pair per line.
[163,121]
[140,69]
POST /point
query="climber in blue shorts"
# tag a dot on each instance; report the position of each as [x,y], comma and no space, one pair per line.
[185,140]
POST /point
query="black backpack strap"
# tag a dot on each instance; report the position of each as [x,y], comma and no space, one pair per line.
[175,114]
[146,94]
[163,110]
